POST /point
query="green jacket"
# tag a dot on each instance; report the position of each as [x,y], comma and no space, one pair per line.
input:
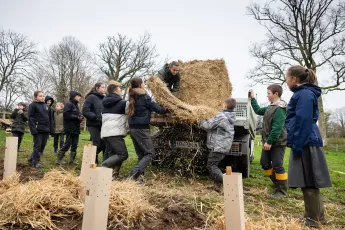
[19,121]
[273,126]
[58,117]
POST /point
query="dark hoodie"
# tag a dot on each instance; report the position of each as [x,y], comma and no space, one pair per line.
[49,98]
[92,109]
[172,81]
[51,111]
[39,117]
[71,115]
[301,118]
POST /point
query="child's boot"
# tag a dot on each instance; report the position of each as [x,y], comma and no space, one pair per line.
[280,186]
[314,207]
[60,156]
[72,158]
[55,150]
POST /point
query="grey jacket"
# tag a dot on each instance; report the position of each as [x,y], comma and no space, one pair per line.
[220,131]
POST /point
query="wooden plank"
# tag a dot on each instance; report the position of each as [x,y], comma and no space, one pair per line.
[96,206]
[10,161]
[233,199]
[89,157]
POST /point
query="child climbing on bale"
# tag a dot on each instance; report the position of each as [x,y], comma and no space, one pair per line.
[71,122]
[20,117]
[40,120]
[114,128]
[139,113]
[308,168]
[273,138]
[220,134]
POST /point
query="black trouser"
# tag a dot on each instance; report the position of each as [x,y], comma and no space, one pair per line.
[213,160]
[144,149]
[58,136]
[272,160]
[71,142]
[95,133]
[20,137]
[117,151]
[40,141]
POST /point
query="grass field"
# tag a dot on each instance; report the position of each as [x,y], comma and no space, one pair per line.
[261,211]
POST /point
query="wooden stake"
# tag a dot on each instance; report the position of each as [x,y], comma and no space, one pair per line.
[89,157]
[228,170]
[97,199]
[233,199]
[10,161]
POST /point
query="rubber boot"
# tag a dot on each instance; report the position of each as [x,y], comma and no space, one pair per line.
[273,179]
[280,189]
[55,150]
[116,172]
[314,212]
[60,156]
[72,158]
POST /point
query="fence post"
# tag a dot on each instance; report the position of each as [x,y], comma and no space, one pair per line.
[337,148]
[233,199]
[10,161]
[96,205]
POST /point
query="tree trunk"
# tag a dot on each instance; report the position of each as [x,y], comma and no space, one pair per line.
[321,121]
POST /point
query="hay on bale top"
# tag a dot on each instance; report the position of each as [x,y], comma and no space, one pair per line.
[204,82]
[204,87]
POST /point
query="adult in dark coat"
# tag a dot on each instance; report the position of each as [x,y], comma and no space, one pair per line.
[20,117]
[92,110]
[308,167]
[71,122]
[171,76]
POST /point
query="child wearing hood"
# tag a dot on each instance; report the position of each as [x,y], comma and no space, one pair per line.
[308,168]
[50,101]
[273,138]
[220,134]
[20,117]
[71,122]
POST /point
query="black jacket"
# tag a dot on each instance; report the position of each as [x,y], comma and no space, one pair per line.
[51,111]
[40,120]
[113,103]
[19,121]
[72,115]
[172,81]
[142,110]
[92,109]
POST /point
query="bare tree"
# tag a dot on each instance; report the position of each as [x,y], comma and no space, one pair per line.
[17,54]
[339,117]
[67,64]
[122,58]
[10,94]
[310,33]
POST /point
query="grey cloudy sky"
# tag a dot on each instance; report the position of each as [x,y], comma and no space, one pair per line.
[182,30]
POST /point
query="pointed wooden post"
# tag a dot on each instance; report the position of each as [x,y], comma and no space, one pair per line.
[10,161]
[233,199]
[96,205]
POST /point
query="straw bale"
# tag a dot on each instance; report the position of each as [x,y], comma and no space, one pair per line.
[204,82]
[180,110]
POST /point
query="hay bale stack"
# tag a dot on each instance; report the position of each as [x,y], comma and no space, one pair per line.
[204,83]
[181,111]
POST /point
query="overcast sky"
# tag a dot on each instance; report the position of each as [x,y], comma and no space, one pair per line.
[182,30]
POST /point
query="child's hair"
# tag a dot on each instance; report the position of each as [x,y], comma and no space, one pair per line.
[112,88]
[275,88]
[37,92]
[230,103]
[304,75]
[174,63]
[135,83]
[60,104]
[94,88]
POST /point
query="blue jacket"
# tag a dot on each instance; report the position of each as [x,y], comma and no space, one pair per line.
[302,115]
[142,110]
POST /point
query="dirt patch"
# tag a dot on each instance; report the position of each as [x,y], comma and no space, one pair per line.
[175,213]
[26,172]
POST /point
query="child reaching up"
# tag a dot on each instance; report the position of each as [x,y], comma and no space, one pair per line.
[220,134]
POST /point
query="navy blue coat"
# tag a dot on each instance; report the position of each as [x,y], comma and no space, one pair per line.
[302,115]
[92,109]
[142,110]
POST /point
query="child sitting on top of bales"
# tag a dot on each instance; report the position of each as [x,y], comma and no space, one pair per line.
[220,134]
